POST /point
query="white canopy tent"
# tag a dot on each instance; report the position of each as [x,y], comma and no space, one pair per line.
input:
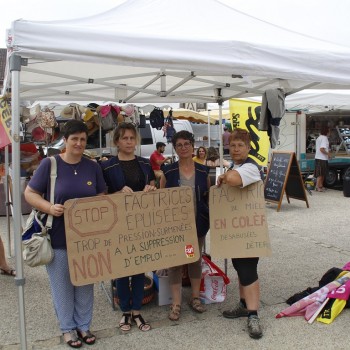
[131,54]
[167,51]
[315,100]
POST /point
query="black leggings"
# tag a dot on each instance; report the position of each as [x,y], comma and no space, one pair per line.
[247,270]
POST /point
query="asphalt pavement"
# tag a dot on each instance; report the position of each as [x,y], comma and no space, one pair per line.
[306,242]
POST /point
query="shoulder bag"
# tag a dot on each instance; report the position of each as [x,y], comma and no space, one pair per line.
[36,243]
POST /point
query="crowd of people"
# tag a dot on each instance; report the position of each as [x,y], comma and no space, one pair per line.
[126,172]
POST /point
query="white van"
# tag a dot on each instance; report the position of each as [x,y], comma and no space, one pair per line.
[150,136]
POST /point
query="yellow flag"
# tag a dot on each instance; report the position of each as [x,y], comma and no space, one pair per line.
[5,122]
[246,115]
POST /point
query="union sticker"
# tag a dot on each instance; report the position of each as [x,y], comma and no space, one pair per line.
[189,251]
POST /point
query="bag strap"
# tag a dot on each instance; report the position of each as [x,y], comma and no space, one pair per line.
[53,175]
[216,268]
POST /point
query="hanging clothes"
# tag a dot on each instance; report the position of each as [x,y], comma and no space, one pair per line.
[272,111]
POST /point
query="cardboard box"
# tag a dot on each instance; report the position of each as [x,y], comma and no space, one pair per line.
[162,286]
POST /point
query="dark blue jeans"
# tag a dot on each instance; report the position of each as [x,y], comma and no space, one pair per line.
[131,299]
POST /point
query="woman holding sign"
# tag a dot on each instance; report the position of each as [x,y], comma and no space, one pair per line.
[77,177]
[244,172]
[127,173]
[185,172]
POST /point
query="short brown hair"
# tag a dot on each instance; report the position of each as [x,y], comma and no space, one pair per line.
[324,130]
[183,134]
[74,126]
[240,134]
[120,131]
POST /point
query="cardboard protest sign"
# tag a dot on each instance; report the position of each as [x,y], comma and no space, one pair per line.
[238,227]
[125,234]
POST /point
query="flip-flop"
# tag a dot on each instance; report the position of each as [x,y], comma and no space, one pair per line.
[73,339]
[8,272]
[88,339]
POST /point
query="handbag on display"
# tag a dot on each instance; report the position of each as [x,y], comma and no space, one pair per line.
[47,119]
[36,243]
[107,117]
[213,282]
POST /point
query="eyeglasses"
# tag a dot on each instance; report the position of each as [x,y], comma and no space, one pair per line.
[185,145]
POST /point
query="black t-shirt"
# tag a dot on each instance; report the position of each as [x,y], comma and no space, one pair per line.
[134,177]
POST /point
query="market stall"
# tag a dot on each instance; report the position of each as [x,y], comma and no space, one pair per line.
[156,61]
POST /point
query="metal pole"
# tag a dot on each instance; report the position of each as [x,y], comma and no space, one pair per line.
[209,128]
[15,68]
[7,202]
[100,136]
[221,151]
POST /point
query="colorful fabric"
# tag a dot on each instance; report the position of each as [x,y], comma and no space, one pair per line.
[347,266]
[332,309]
[300,307]
[342,293]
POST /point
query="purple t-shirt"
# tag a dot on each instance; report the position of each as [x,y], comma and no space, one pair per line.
[87,182]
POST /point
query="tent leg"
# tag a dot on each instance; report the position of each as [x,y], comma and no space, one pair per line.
[15,67]
[7,202]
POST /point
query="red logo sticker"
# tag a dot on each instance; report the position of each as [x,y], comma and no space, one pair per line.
[189,250]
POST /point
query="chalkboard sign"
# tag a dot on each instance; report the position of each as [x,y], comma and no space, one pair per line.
[284,176]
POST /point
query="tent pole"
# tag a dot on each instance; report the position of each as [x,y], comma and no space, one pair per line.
[15,68]
[100,137]
[7,201]
[208,128]
[221,151]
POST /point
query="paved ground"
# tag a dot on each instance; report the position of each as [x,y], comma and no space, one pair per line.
[305,243]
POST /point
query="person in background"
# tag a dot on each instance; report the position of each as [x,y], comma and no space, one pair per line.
[201,155]
[225,140]
[186,172]
[127,173]
[322,156]
[213,159]
[5,269]
[157,159]
[245,172]
[77,177]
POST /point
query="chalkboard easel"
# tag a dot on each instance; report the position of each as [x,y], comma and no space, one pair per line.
[284,177]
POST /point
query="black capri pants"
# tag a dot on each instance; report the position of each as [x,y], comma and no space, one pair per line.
[247,270]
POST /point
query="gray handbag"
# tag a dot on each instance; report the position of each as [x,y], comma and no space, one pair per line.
[36,243]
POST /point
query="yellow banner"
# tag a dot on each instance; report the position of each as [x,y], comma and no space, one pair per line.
[5,121]
[246,115]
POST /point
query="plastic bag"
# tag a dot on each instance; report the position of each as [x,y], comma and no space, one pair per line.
[213,282]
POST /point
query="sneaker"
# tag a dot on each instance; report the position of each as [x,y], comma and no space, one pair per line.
[238,311]
[254,328]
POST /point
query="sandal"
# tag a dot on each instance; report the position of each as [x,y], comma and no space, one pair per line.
[174,313]
[73,339]
[88,339]
[125,322]
[196,305]
[8,272]
[320,189]
[141,323]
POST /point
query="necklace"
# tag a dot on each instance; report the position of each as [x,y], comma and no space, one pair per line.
[75,168]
